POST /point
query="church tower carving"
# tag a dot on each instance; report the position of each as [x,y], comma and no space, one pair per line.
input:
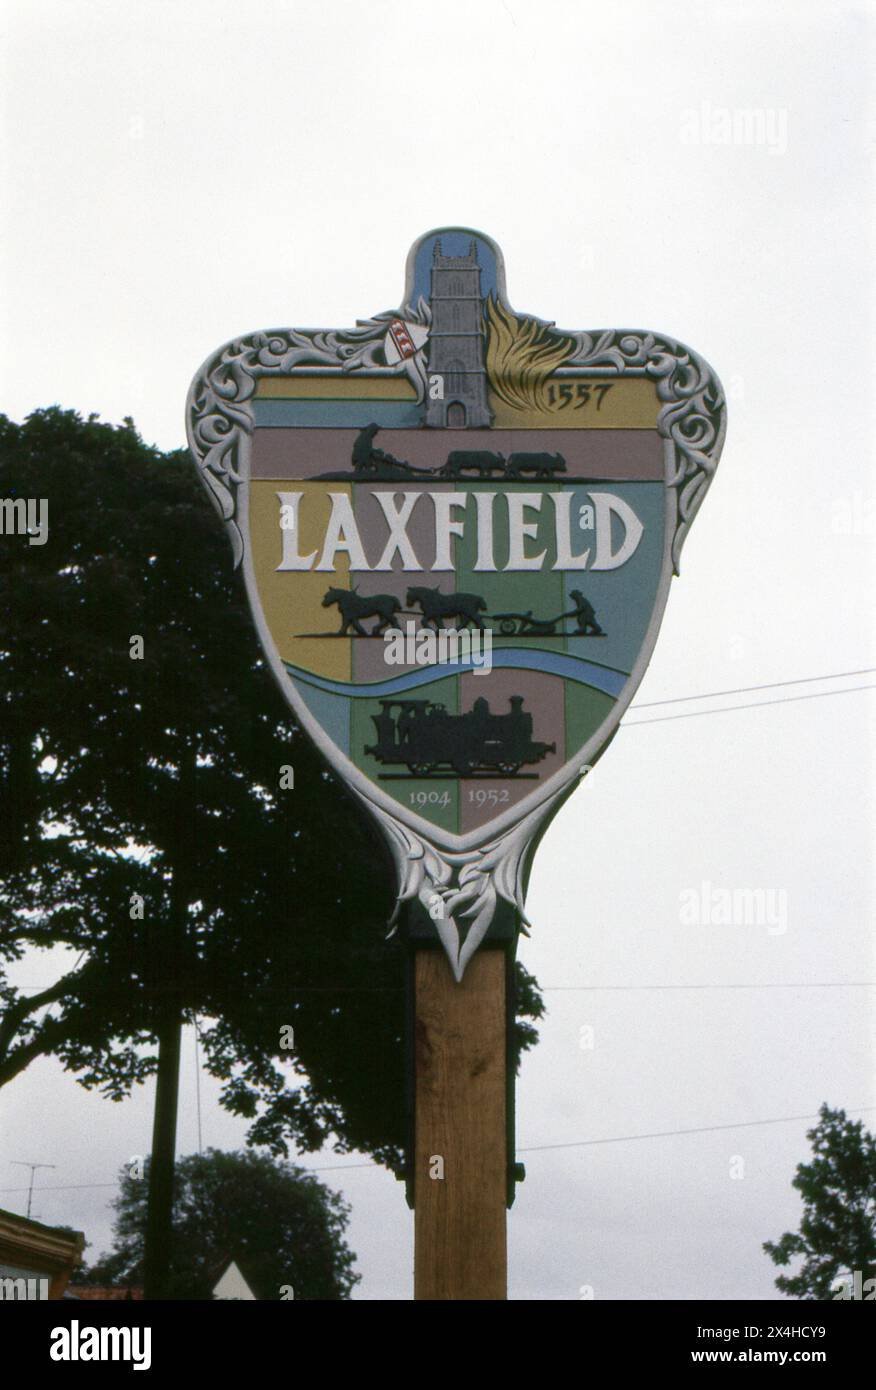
[456,342]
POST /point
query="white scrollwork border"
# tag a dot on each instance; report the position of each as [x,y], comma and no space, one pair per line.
[220,417]
[693,414]
[459,889]
[219,414]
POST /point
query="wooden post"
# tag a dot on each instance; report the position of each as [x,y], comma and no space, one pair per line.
[460,1128]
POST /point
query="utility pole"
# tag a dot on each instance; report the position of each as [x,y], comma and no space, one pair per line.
[159,1218]
[159,1214]
[19,1163]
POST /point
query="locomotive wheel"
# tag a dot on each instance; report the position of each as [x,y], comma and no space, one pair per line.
[421,769]
[507,627]
[509,769]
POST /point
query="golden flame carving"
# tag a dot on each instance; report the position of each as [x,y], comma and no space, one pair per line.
[521,355]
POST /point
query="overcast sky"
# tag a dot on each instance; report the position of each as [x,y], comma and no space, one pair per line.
[178,173]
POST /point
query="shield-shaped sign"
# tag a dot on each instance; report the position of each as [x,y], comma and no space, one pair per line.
[458,525]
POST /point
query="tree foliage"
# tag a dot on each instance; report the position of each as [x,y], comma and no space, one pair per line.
[837,1233]
[146,840]
[281,1226]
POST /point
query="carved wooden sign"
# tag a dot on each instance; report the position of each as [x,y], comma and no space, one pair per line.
[458,525]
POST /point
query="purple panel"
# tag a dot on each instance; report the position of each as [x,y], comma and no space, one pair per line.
[543,698]
[368,655]
[614,454]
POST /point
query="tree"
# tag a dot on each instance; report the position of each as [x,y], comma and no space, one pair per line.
[283,1227]
[146,838]
[837,1233]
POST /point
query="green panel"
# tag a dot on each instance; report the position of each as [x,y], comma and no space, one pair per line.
[537,591]
[331,711]
[623,598]
[394,778]
[585,710]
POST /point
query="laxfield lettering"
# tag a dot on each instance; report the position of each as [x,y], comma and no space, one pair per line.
[539,527]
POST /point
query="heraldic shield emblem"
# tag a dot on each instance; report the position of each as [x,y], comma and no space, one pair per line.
[458,526]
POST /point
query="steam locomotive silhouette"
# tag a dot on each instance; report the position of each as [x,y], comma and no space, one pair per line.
[424,737]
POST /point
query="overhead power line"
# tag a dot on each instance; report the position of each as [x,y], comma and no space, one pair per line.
[769,984]
[527,1148]
[747,689]
[66,1187]
[671,1133]
[286,992]
[19,1163]
[754,704]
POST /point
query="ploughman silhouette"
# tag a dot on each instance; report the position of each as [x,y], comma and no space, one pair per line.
[422,736]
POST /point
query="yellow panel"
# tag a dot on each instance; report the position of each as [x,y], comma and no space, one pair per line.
[336,388]
[629,403]
[292,599]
